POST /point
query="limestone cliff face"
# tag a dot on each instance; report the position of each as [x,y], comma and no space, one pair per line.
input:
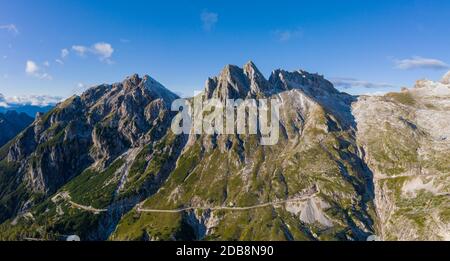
[405,137]
[91,130]
[314,168]
[105,165]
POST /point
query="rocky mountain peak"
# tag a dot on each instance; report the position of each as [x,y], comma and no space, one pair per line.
[346,168]
[258,83]
[311,83]
[132,81]
[235,82]
[248,82]
[232,83]
[251,70]
[157,90]
[317,88]
[94,128]
[234,75]
[149,85]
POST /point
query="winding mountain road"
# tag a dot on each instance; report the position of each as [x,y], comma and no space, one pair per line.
[179,210]
[87,208]
[262,205]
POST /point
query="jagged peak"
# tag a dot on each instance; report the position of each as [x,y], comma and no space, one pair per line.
[146,80]
[236,82]
[230,71]
[251,69]
[301,79]
[130,84]
[299,73]
[253,73]
[133,79]
[156,88]
[232,83]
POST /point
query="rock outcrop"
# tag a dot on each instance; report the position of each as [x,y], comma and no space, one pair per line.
[405,137]
[87,131]
[316,149]
[106,165]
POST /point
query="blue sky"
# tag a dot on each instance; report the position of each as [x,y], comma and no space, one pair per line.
[368,46]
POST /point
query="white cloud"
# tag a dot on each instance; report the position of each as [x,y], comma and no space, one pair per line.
[35,100]
[209,20]
[378,93]
[10,28]
[124,40]
[102,50]
[32,69]
[59,61]
[347,83]
[64,53]
[418,62]
[286,35]
[46,64]
[80,49]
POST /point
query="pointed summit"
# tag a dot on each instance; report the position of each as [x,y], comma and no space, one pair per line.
[232,83]
[250,68]
[235,82]
[232,73]
[132,80]
[258,83]
[157,90]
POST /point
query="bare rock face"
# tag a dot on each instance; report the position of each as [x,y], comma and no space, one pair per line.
[232,83]
[405,137]
[315,164]
[317,88]
[344,167]
[89,130]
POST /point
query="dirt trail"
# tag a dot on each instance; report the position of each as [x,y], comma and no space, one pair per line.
[273,203]
[231,208]
[87,208]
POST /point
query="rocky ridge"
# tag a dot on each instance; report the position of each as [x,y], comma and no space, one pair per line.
[405,137]
[105,165]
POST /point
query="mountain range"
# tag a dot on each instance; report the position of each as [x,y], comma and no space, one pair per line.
[105,165]
[11,123]
[29,105]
